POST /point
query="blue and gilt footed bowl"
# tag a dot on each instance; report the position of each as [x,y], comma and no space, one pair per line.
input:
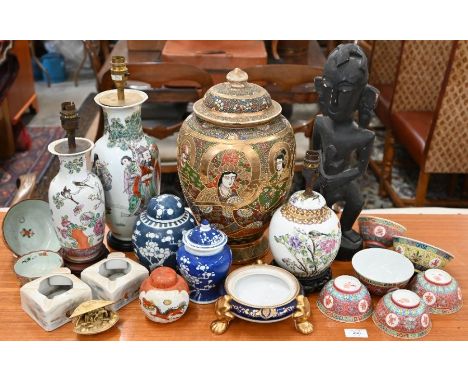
[159,230]
[262,293]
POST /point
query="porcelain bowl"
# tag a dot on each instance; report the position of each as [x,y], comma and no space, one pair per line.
[28,227]
[345,299]
[438,290]
[382,270]
[379,232]
[402,314]
[423,256]
[37,264]
[262,293]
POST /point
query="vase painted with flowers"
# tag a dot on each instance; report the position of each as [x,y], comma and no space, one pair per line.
[76,200]
[305,234]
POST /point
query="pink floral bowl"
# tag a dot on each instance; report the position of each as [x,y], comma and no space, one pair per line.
[423,256]
[402,314]
[345,299]
[382,270]
[379,232]
[438,290]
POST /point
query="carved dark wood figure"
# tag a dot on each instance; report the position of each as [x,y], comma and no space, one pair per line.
[345,145]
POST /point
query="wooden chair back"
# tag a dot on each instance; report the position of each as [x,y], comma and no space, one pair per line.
[169,82]
[281,79]
[447,148]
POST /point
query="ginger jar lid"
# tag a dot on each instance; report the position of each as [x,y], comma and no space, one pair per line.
[306,209]
[205,237]
[164,278]
[165,207]
[237,102]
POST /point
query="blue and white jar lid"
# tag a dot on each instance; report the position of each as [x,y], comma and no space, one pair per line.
[204,239]
[165,207]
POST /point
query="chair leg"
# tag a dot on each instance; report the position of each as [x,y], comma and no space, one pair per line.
[387,162]
[421,188]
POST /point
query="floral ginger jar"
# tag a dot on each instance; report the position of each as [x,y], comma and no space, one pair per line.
[204,261]
[305,234]
[127,162]
[235,162]
[76,200]
[159,230]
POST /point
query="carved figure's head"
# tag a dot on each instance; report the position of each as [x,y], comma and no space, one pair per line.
[344,79]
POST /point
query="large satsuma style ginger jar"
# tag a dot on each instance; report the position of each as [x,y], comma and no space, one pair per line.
[235,162]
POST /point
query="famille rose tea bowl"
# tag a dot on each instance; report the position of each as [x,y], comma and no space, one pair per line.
[438,290]
[423,256]
[37,264]
[382,270]
[264,294]
[28,227]
[402,314]
[379,232]
[345,299]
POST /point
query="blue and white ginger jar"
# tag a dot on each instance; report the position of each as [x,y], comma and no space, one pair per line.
[159,230]
[204,261]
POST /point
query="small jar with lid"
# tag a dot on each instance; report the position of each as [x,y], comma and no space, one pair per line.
[159,230]
[204,261]
[164,296]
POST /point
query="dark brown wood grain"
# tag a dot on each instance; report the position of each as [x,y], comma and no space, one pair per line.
[446,231]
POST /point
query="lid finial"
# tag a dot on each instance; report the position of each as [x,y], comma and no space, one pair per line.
[311,170]
[70,120]
[237,78]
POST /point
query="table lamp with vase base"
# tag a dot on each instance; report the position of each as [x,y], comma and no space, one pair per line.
[304,233]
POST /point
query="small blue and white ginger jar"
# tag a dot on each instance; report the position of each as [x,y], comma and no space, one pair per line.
[159,230]
[204,261]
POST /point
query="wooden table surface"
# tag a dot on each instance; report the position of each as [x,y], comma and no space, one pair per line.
[446,231]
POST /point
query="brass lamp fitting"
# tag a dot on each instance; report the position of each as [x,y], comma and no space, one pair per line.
[311,170]
[119,74]
[70,120]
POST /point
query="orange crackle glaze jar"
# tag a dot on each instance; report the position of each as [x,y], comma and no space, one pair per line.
[164,295]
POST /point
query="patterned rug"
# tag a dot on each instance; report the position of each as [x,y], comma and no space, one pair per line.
[36,160]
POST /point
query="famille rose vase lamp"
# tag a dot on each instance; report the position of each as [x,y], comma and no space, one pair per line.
[125,159]
[76,196]
[235,162]
[304,233]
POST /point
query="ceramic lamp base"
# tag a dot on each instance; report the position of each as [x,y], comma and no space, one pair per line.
[348,248]
[119,245]
[243,253]
[312,284]
[77,268]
